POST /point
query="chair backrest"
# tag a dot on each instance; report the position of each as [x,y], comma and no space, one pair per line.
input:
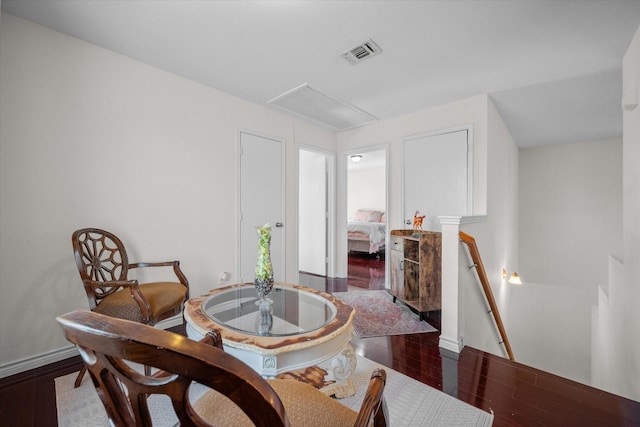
[100,256]
[373,411]
[105,343]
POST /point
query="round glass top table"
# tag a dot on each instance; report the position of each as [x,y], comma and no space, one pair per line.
[294,328]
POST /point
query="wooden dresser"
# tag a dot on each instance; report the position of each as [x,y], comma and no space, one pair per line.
[416,269]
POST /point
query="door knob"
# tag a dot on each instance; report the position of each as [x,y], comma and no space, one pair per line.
[278,224]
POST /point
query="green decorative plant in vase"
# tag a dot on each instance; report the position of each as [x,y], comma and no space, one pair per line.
[264,270]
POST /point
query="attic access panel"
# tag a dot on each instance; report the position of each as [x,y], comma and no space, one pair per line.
[309,103]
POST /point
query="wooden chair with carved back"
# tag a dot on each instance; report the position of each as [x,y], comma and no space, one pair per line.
[238,395]
[104,266]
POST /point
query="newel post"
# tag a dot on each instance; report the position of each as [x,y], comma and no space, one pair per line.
[450,334]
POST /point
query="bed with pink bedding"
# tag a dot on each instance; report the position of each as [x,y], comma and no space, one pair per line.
[367,231]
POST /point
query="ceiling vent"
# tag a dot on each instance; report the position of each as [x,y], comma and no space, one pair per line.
[309,103]
[362,52]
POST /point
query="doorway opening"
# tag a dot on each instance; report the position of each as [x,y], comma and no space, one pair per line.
[315,219]
[367,218]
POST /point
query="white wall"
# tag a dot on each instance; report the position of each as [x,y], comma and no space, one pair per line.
[468,111]
[495,168]
[366,189]
[570,222]
[616,343]
[570,212]
[92,138]
[496,238]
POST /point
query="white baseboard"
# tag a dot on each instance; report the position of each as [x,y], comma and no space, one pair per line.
[44,359]
[37,361]
[451,344]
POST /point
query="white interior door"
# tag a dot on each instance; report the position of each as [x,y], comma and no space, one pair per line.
[261,201]
[312,212]
[436,177]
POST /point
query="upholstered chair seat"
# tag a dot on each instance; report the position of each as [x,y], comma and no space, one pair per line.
[161,296]
[303,404]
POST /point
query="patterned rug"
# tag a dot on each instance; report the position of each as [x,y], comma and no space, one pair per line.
[377,315]
[410,403]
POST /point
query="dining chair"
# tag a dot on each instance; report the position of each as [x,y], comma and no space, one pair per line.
[238,396]
[104,267]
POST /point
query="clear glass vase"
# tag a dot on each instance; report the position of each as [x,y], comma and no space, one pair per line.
[264,319]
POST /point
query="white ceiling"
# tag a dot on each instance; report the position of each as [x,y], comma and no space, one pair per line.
[553,68]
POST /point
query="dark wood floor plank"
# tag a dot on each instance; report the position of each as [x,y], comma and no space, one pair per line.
[29,399]
[16,396]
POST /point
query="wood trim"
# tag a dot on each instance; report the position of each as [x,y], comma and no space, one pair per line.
[486,287]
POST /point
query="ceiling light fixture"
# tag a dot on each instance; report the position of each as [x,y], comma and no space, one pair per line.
[356,158]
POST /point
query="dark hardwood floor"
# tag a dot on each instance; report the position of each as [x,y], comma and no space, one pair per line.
[366,270]
[29,398]
[517,395]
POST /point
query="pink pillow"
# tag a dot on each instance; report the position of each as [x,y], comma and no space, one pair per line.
[383,218]
[361,215]
[374,216]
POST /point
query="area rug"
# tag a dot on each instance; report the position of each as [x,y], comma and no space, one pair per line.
[377,315]
[410,402]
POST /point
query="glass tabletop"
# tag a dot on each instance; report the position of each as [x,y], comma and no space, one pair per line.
[287,311]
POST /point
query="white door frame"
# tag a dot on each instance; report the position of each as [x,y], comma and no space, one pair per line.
[469,129]
[331,207]
[238,189]
[344,159]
